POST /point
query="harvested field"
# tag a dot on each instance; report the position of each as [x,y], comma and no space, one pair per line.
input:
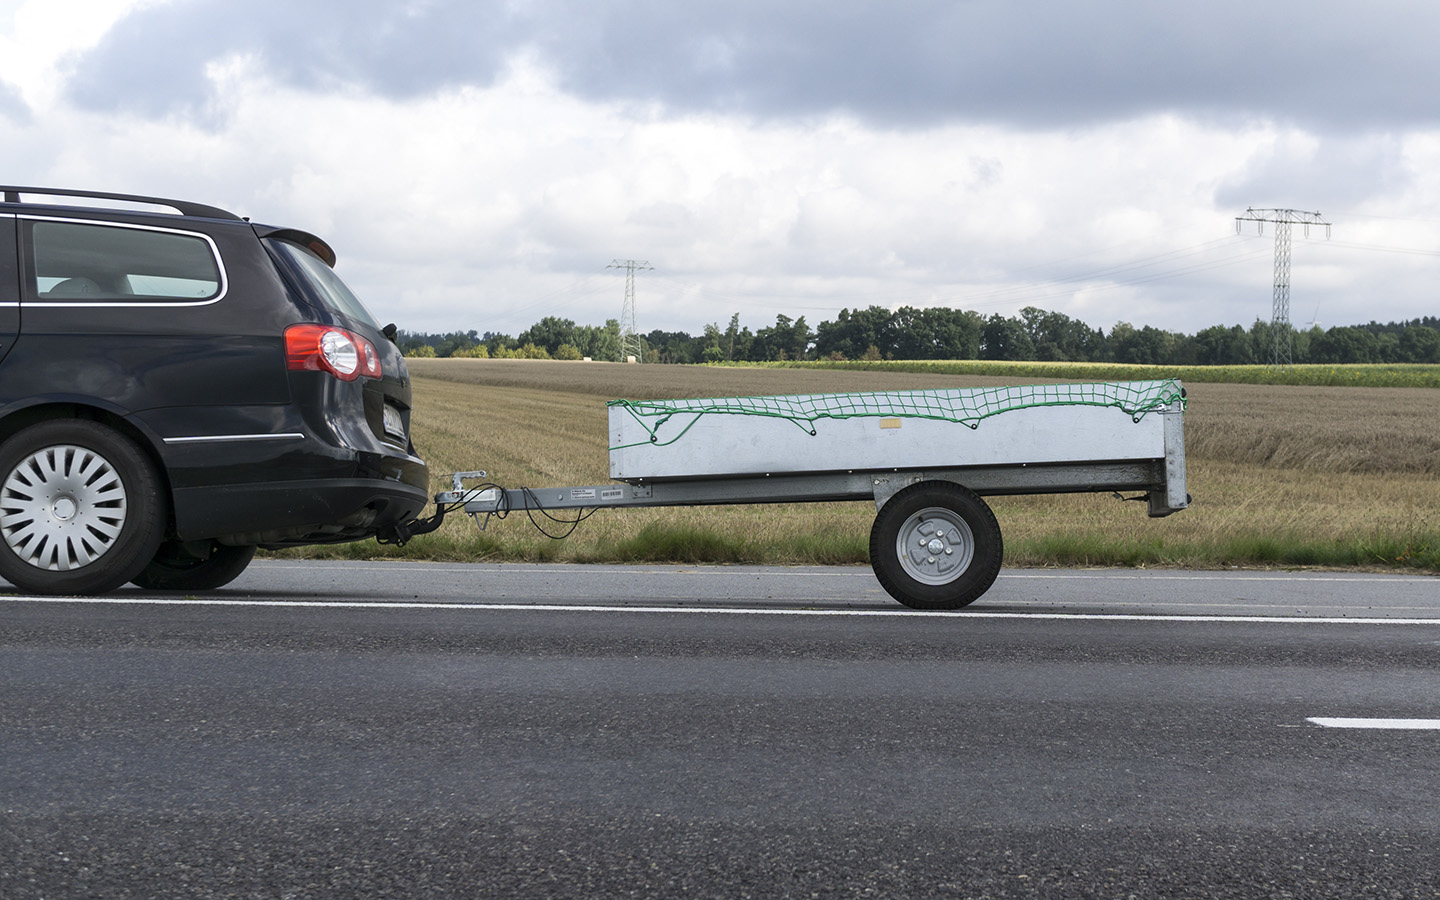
[1322,429]
[1281,475]
[613,381]
[1392,431]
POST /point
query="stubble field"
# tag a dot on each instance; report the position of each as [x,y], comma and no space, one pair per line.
[1281,475]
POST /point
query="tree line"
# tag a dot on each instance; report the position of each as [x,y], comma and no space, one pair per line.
[878,333]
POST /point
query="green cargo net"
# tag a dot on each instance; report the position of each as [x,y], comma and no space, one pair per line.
[966,406]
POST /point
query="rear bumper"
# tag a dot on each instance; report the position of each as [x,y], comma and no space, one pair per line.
[281,513]
[264,476]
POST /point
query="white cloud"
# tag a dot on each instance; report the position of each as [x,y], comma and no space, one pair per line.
[491,206]
[37,37]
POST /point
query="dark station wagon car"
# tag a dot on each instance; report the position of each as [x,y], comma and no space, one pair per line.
[179,386]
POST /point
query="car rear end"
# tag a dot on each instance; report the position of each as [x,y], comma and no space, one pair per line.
[339,464]
[350,386]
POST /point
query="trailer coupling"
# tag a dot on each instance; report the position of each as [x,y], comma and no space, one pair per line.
[400,533]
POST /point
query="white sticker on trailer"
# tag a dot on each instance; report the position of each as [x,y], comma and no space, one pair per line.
[582,494]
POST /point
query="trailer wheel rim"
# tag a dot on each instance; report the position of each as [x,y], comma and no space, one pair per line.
[935,545]
[62,507]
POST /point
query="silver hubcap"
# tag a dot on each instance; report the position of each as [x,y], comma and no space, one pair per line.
[62,508]
[935,546]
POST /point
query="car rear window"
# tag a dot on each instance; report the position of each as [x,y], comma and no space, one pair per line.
[324,283]
[79,262]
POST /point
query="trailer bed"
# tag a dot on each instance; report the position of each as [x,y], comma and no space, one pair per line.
[1022,425]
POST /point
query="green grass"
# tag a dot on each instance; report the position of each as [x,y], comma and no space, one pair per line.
[1398,375]
[677,544]
[654,542]
[1416,552]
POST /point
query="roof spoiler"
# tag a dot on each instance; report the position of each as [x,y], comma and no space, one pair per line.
[304,238]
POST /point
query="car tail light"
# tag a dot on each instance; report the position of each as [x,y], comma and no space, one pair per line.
[325,348]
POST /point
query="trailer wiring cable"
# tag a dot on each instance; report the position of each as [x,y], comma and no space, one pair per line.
[401,533]
[581,515]
[502,510]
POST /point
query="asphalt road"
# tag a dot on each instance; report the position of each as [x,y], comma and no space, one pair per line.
[377,730]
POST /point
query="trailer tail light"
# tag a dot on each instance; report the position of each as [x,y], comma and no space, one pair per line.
[325,348]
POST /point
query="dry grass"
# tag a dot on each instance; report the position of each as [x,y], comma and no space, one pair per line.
[1317,429]
[613,381]
[1270,467]
[1239,510]
[1321,429]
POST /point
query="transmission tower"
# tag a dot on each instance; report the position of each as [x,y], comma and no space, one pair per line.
[1281,334]
[629,336]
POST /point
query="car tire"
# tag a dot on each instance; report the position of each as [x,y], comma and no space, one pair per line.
[194,566]
[81,508]
[936,545]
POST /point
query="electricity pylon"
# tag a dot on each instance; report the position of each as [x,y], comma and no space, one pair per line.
[630,338]
[1281,339]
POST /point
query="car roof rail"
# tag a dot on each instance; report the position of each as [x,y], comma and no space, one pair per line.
[14,194]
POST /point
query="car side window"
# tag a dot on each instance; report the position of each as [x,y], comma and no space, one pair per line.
[80,262]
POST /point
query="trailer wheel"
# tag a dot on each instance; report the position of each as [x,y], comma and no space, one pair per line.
[936,545]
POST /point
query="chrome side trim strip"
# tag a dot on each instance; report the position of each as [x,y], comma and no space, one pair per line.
[212,438]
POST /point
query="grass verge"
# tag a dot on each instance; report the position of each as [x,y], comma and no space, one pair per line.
[1409,375]
[1418,552]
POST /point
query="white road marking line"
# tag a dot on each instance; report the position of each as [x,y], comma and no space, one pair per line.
[709,610]
[1216,576]
[856,571]
[1393,724]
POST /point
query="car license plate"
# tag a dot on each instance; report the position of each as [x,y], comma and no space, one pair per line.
[394,423]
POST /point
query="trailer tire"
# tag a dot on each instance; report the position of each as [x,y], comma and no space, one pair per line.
[936,545]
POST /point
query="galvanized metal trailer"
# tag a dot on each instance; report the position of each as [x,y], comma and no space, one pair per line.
[925,458]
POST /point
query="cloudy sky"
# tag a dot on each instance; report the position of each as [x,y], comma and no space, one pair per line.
[480,163]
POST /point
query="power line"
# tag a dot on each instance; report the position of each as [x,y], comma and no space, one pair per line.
[578,287]
[1347,245]
[1025,293]
[1355,215]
